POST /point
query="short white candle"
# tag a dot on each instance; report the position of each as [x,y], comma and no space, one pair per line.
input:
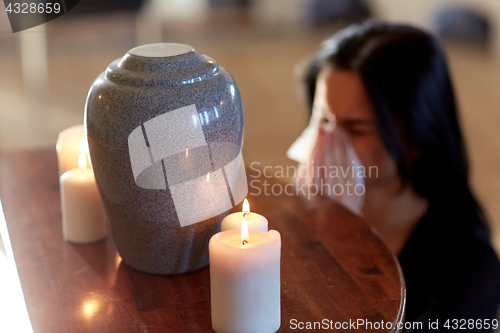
[245,281]
[254,221]
[82,211]
[68,147]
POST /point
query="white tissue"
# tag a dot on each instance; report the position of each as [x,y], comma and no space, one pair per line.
[322,146]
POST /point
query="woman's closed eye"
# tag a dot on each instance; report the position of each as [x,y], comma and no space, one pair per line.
[358,127]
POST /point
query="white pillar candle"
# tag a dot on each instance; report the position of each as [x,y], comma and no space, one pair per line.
[254,221]
[82,211]
[245,281]
[68,148]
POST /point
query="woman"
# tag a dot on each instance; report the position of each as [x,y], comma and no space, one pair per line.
[387,87]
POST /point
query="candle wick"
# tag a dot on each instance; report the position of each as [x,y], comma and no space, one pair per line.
[245,214]
[245,242]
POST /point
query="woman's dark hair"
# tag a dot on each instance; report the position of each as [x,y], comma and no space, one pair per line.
[405,74]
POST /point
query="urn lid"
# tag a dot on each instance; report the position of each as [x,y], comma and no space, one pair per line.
[155,79]
[161,50]
[161,64]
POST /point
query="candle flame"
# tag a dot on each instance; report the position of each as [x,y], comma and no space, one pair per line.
[244,232]
[82,161]
[246,207]
[187,153]
[84,146]
[208,176]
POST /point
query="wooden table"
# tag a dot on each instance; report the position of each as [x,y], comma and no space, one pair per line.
[333,266]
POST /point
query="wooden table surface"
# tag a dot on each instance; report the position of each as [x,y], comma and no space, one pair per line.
[333,266]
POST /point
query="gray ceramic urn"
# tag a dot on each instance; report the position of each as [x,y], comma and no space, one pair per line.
[165,128]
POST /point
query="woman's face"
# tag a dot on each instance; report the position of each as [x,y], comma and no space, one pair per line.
[345,102]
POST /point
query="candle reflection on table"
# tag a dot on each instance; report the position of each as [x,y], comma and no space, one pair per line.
[90,308]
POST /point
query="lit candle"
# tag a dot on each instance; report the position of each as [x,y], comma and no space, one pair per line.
[254,221]
[245,280]
[82,211]
[68,147]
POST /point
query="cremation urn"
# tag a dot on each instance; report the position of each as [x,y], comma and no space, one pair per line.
[165,128]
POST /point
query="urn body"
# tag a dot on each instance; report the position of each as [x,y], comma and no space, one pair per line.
[164,125]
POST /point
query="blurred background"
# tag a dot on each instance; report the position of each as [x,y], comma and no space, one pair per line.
[46,71]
